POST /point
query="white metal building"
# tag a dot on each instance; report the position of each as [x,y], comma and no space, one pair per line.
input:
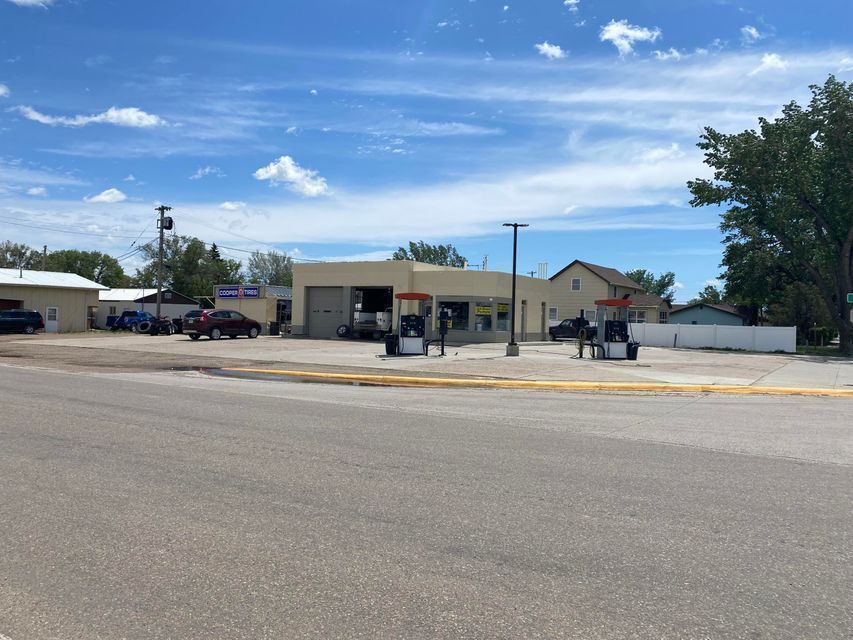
[114,301]
[66,301]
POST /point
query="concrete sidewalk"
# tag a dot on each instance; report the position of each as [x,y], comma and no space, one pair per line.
[538,361]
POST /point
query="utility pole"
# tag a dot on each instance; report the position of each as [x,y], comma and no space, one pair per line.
[530,273]
[163,223]
[44,258]
[512,347]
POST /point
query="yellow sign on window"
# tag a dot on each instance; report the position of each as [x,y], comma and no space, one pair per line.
[503,308]
[483,311]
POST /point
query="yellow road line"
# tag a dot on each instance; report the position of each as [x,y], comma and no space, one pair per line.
[560,385]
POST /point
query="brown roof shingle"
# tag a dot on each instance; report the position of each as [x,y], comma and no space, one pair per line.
[609,275]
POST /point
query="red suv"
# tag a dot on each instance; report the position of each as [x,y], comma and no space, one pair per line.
[215,323]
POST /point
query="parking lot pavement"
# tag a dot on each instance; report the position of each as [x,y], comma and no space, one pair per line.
[538,361]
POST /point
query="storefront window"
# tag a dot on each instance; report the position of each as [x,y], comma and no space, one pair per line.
[482,316]
[458,315]
[503,316]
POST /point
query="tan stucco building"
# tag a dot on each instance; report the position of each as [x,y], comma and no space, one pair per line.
[262,302]
[66,301]
[327,295]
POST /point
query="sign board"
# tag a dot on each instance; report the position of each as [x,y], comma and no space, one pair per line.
[850,298]
[503,308]
[482,311]
[238,292]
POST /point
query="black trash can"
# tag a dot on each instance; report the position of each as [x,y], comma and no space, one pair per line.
[391,344]
[633,348]
[275,328]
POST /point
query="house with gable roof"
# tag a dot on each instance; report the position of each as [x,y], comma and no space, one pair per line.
[576,287]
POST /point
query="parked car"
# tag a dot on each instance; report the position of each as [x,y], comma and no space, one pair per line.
[215,323]
[20,321]
[130,320]
[570,328]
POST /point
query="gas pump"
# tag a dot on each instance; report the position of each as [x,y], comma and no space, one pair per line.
[411,329]
[613,340]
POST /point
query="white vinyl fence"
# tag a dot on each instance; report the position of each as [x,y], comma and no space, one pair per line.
[715,336]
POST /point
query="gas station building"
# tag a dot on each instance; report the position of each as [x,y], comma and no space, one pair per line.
[327,295]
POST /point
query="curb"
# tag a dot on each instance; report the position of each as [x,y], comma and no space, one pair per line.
[552,385]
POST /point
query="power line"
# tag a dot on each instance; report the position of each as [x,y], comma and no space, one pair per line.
[58,230]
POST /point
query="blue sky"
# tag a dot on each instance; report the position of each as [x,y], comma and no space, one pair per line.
[340,129]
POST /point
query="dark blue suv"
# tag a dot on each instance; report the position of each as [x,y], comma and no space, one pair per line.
[20,321]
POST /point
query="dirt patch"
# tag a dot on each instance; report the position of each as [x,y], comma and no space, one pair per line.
[47,351]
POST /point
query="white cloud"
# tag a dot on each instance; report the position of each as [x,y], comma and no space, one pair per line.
[232,206]
[624,35]
[313,92]
[672,54]
[550,51]
[292,131]
[770,62]
[130,178]
[33,3]
[36,191]
[572,5]
[750,34]
[657,154]
[110,196]
[678,285]
[506,7]
[304,181]
[207,171]
[713,282]
[4,91]
[846,65]
[121,117]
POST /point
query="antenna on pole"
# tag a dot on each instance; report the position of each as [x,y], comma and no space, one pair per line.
[163,224]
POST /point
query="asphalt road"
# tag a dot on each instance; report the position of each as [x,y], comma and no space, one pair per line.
[178,506]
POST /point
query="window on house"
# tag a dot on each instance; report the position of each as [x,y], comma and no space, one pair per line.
[663,317]
[636,316]
[552,313]
[576,284]
[615,295]
[167,295]
[112,311]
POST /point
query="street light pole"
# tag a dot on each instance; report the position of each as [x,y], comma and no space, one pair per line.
[512,347]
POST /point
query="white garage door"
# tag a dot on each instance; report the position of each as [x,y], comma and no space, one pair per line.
[325,311]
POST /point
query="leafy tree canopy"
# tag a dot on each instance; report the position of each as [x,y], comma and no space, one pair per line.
[270,268]
[789,192]
[662,285]
[710,295]
[441,254]
[189,267]
[18,256]
[93,265]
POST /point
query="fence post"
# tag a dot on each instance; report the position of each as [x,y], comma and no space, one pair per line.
[753,337]
[716,343]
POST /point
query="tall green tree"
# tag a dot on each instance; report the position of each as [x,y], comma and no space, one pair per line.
[789,190]
[800,305]
[190,267]
[710,295]
[18,256]
[93,265]
[663,285]
[270,268]
[440,254]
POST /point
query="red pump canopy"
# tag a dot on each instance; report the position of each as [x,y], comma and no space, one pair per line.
[412,296]
[614,302]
